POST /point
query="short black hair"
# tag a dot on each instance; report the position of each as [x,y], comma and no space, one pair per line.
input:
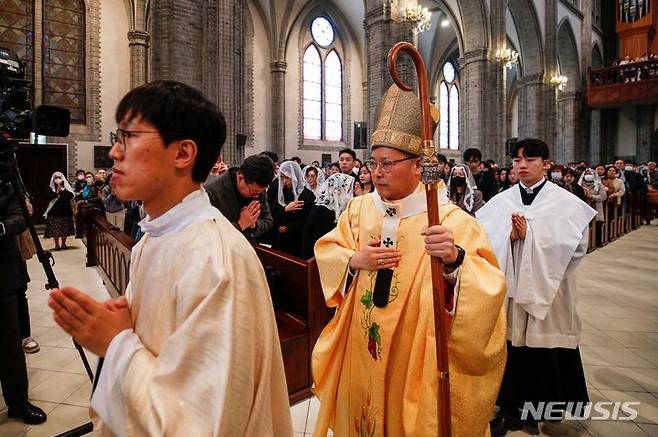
[350,151]
[442,158]
[297,159]
[472,153]
[258,169]
[531,148]
[310,168]
[273,156]
[335,164]
[178,112]
[80,171]
[88,173]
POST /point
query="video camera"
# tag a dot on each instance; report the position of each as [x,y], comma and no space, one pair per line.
[17,119]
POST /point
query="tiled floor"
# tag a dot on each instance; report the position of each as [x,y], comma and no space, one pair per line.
[618,303]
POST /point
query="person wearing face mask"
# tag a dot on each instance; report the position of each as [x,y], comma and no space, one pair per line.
[79,184]
[59,213]
[462,189]
[556,175]
[595,195]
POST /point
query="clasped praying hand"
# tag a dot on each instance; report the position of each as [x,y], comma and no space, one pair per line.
[91,323]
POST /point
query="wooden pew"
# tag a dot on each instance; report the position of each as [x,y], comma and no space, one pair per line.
[611,216]
[301,315]
[300,309]
[591,245]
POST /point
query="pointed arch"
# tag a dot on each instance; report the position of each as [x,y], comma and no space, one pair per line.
[597,56]
[567,55]
[527,26]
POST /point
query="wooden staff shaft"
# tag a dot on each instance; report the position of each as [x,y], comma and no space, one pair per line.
[430,179]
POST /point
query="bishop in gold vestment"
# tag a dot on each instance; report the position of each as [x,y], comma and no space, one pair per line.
[375,368]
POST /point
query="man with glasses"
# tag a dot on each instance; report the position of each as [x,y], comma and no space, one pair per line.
[193,347]
[240,195]
[374,365]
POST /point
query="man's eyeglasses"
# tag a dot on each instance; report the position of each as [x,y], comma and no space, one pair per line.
[386,165]
[120,136]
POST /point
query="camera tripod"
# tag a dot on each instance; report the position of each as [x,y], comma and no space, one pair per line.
[9,172]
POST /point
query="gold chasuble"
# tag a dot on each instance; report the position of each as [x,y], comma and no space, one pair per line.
[375,369]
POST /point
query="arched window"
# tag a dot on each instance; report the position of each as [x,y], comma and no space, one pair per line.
[449,109]
[64,55]
[16,31]
[323,84]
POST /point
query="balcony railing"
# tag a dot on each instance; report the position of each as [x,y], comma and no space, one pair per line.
[622,85]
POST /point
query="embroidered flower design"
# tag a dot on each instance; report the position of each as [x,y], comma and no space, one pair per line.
[365,424]
[371,328]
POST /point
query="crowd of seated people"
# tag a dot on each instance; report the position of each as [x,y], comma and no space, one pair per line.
[630,70]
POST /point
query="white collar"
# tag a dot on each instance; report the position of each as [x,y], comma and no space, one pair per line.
[414,203]
[194,208]
[530,189]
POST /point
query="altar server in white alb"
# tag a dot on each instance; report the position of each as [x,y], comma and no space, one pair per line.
[539,233]
[193,347]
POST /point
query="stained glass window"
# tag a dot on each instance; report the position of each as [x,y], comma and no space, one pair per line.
[312,94]
[63,56]
[322,85]
[333,86]
[443,116]
[16,31]
[322,31]
[454,118]
[449,109]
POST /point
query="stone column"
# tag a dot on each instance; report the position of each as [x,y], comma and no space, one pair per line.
[568,135]
[584,146]
[138,41]
[645,129]
[533,92]
[594,128]
[382,32]
[473,115]
[549,132]
[278,70]
[495,91]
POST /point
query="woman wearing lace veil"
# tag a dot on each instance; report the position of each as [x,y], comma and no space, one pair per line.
[462,189]
[294,202]
[332,200]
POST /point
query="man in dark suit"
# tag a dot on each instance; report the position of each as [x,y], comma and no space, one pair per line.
[13,277]
[483,179]
[240,195]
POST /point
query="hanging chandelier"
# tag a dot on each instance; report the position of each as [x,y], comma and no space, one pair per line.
[559,81]
[507,56]
[411,12]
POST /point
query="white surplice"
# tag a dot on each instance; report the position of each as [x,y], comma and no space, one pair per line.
[204,357]
[541,289]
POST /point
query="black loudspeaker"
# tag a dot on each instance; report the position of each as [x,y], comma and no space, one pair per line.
[240,140]
[360,135]
[51,120]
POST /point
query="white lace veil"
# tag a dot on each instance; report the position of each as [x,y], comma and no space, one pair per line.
[336,193]
[293,171]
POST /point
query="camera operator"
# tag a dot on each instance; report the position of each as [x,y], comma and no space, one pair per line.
[13,278]
[59,213]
